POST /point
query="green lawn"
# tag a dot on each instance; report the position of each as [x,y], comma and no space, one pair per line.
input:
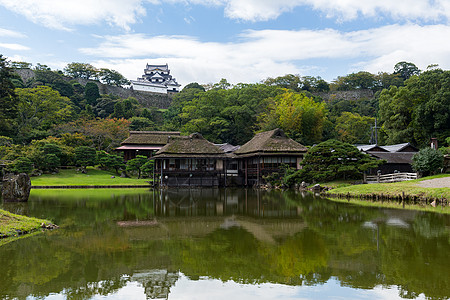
[408,187]
[93,177]
[12,225]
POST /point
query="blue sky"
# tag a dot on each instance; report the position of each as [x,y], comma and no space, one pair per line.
[240,40]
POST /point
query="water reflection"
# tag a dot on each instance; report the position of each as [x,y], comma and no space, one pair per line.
[158,245]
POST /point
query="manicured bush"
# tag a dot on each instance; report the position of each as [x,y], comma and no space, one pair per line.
[428,161]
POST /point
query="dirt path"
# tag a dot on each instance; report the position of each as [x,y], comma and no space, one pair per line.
[435,183]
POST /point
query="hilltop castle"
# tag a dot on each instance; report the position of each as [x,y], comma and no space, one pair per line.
[156,79]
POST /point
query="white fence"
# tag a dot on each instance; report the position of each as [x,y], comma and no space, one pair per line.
[395,177]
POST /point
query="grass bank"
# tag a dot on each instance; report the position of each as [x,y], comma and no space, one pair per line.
[411,188]
[93,177]
[14,226]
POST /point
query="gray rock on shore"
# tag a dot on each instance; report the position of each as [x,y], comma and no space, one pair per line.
[16,188]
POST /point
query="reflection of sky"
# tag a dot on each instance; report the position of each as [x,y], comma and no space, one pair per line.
[186,289]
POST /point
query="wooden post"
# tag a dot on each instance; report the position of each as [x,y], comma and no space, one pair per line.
[161,183]
[246,171]
[257,171]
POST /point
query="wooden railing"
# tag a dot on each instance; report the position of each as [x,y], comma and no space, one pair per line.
[394,177]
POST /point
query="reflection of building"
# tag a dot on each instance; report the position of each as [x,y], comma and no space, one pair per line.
[398,157]
[144,143]
[157,283]
[156,79]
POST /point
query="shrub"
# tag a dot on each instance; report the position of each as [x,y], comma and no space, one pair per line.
[428,161]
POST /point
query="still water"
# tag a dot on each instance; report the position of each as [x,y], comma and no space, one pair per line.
[223,244]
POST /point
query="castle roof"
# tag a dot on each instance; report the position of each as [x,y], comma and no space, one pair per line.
[157,67]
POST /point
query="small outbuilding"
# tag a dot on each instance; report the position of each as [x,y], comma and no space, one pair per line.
[398,157]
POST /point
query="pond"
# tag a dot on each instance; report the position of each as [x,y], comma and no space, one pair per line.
[223,244]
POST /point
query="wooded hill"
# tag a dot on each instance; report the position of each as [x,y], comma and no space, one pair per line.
[85,106]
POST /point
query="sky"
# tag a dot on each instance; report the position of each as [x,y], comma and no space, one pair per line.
[243,41]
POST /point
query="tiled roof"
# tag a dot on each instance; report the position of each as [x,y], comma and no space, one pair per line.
[404,147]
[274,141]
[394,157]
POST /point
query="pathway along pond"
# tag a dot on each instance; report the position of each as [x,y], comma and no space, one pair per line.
[223,244]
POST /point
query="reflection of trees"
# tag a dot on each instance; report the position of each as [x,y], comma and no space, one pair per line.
[245,259]
[90,255]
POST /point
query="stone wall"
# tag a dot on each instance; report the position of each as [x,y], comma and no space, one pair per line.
[347,95]
[145,99]
[25,74]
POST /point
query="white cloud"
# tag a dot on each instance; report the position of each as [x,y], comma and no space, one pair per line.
[260,54]
[58,14]
[10,33]
[261,10]
[65,14]
[16,47]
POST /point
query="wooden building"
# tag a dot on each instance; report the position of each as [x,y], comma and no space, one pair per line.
[145,143]
[398,157]
[190,161]
[265,153]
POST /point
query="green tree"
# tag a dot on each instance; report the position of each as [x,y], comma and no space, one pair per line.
[332,159]
[8,97]
[119,111]
[419,110]
[140,123]
[22,164]
[81,70]
[91,93]
[105,106]
[406,69]
[147,168]
[40,108]
[428,161]
[20,65]
[110,161]
[299,116]
[85,156]
[288,81]
[193,85]
[112,77]
[355,81]
[353,128]
[136,164]
[50,162]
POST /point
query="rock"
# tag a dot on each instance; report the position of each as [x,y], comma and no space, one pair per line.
[316,188]
[16,188]
[113,176]
[49,226]
[303,185]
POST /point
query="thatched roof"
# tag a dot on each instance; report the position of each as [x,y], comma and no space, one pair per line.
[149,137]
[271,142]
[192,146]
